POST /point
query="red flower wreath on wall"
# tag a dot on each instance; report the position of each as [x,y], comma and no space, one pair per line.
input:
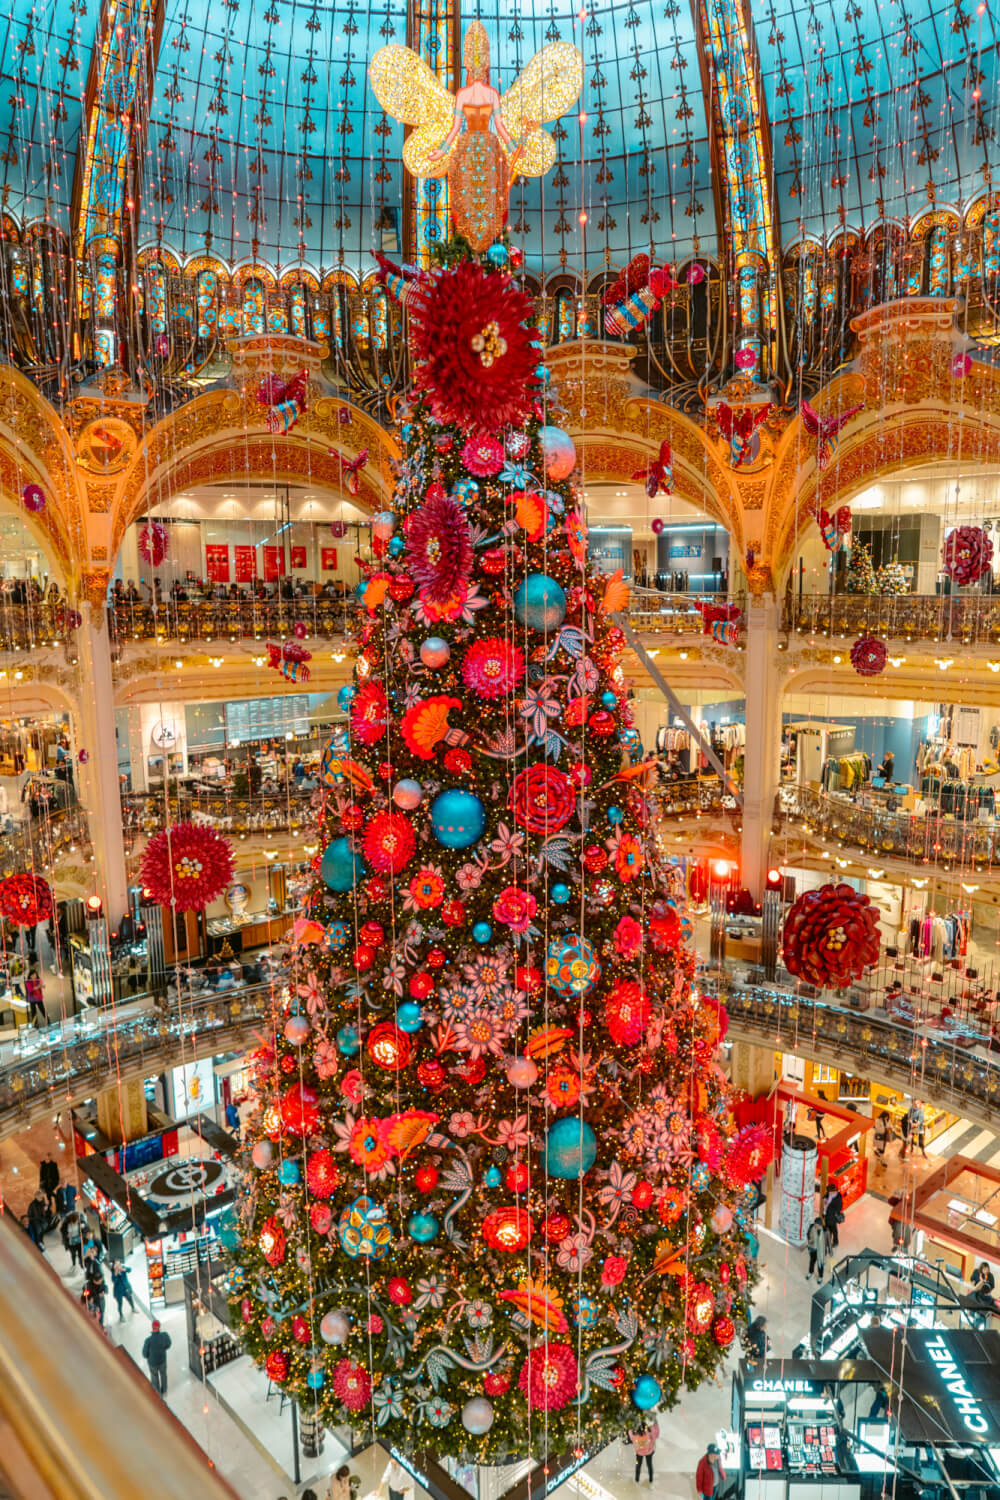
[187,866]
[25,900]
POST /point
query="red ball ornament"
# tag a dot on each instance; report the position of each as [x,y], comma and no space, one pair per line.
[186,866]
[518,1177]
[723,1332]
[352,817]
[372,933]
[555,1227]
[388,1047]
[401,588]
[594,858]
[399,1291]
[322,1174]
[426,1178]
[421,984]
[453,913]
[831,936]
[431,1073]
[602,724]
[516,257]
[364,957]
[508,1229]
[869,656]
[494,561]
[642,1194]
[435,959]
[300,1109]
[276,1365]
[579,775]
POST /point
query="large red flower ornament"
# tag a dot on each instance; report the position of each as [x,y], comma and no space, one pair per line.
[968,553]
[542,799]
[550,1377]
[831,936]
[748,1156]
[439,548]
[869,656]
[25,900]
[187,866]
[154,542]
[472,334]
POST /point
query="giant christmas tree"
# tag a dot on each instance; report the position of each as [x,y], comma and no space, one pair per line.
[495,1197]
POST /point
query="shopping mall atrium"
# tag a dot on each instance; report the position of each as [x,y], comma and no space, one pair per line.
[499,750]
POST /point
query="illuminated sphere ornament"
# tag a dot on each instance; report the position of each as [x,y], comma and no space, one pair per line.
[262,1155]
[434,652]
[296,1030]
[540,602]
[477,1415]
[363,1230]
[457,818]
[423,1228]
[570,1148]
[383,525]
[560,894]
[646,1393]
[558,452]
[314,1380]
[482,932]
[497,256]
[522,1072]
[348,1041]
[335,1327]
[407,794]
[409,1017]
[341,867]
[572,966]
[466,489]
[345,696]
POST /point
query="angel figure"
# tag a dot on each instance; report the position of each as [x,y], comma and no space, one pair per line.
[481,141]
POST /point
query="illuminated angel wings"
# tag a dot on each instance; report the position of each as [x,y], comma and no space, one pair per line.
[408,90]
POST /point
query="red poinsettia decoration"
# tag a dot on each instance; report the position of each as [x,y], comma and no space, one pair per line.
[550,1377]
[748,1156]
[471,333]
[25,900]
[968,553]
[869,656]
[369,714]
[187,866]
[439,547]
[831,936]
[154,542]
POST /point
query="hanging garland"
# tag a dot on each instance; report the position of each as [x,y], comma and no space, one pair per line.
[831,936]
[25,900]
[187,866]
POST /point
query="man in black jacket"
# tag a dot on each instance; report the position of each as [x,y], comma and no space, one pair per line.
[48,1181]
[154,1352]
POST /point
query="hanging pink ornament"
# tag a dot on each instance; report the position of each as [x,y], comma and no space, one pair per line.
[657,526]
[33,497]
[338,530]
[961,365]
[154,543]
[161,345]
[696,274]
[83,756]
[967,555]
[300,630]
[746,359]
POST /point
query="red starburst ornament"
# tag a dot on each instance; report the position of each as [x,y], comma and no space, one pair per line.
[25,900]
[968,553]
[869,656]
[154,542]
[187,866]
[748,1156]
[831,936]
[322,1174]
[471,333]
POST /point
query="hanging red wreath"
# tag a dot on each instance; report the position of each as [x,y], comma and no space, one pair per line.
[187,866]
[472,333]
[25,900]
[831,936]
[869,656]
[968,553]
[154,542]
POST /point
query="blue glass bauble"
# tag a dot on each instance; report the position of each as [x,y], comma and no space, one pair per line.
[699,1176]
[288,1173]
[540,602]
[615,815]
[753,1244]
[570,1148]
[434,652]
[348,1041]
[346,696]
[406,431]
[571,966]
[336,935]
[560,894]
[363,1229]
[314,1380]
[497,254]
[608,700]
[584,1311]
[482,932]
[466,489]
[423,1228]
[493,1177]
[646,1393]
[359,589]
[457,818]
[397,546]
[409,1016]
[341,867]
[558,452]
[227,1227]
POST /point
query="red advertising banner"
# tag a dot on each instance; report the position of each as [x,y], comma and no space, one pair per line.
[328,559]
[274,562]
[298,557]
[216,563]
[246,564]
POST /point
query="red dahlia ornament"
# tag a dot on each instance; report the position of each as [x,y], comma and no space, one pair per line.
[25,900]
[154,542]
[831,936]
[869,656]
[968,553]
[472,344]
[187,866]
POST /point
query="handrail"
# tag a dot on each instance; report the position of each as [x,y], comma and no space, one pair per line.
[235,620]
[936,838]
[53,1358]
[29,627]
[144,812]
[966,619]
[948,1072]
[33,845]
[653,612]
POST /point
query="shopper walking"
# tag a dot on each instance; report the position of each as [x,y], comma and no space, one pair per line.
[883,1134]
[918,1127]
[122,1288]
[710,1476]
[72,1237]
[36,1003]
[644,1442]
[48,1182]
[816,1241]
[95,1290]
[833,1214]
[38,1219]
[904,1136]
[340,1483]
[757,1340]
[154,1352]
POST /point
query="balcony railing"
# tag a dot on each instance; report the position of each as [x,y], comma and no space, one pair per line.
[937,838]
[654,613]
[233,620]
[970,620]
[951,1074]
[30,627]
[34,844]
[145,812]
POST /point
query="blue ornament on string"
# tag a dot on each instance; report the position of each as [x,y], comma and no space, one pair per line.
[646,1393]
[314,1380]
[753,1244]
[540,602]
[584,1311]
[493,1177]
[466,489]
[608,700]
[346,696]
[397,546]
[336,935]
[348,1041]
[341,866]
[409,1016]
[699,1176]
[615,815]
[570,1149]
[482,932]
[288,1173]
[423,1228]
[560,894]
[543,374]
[457,818]
[497,254]
[406,431]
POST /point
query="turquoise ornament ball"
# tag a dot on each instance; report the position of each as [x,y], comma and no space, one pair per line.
[560,894]
[540,602]
[615,815]
[227,1227]
[493,1177]
[397,546]
[699,1176]
[423,1228]
[482,932]
[608,700]
[752,1244]
[341,867]
[457,818]
[346,696]
[543,374]
[288,1173]
[409,1016]
[314,1380]
[466,489]
[363,1230]
[570,1149]
[336,935]
[571,966]
[646,1393]
[584,1311]
[497,254]
[348,1041]
[558,452]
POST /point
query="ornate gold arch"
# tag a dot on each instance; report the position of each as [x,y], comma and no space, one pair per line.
[35,448]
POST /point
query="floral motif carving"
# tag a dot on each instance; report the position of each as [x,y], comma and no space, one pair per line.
[94,585]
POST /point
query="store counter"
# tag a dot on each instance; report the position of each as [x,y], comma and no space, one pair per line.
[246,930]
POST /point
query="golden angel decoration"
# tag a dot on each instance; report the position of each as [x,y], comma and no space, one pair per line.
[481,141]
